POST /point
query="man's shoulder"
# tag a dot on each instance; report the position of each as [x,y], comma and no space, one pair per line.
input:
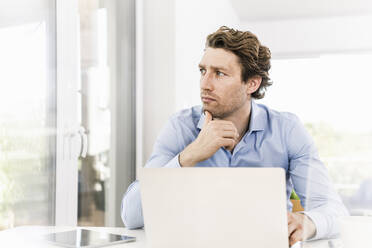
[187,117]
[275,117]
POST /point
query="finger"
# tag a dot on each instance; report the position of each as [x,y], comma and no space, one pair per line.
[225,125]
[227,142]
[208,118]
[229,128]
[290,217]
[295,237]
[230,134]
[231,147]
[291,229]
[224,122]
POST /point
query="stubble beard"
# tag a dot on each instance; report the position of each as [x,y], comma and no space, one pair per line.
[220,111]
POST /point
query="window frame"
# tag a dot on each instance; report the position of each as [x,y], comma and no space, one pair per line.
[67,145]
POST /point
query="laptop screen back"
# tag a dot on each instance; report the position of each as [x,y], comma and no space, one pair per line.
[214,207]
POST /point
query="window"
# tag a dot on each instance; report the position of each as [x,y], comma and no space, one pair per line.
[52,90]
[332,96]
[95,115]
[27,114]
[107,99]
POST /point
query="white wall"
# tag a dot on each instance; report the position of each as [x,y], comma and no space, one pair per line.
[194,21]
[311,37]
[156,62]
[171,38]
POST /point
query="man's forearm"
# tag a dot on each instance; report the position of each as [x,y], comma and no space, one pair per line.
[131,206]
[326,218]
[187,157]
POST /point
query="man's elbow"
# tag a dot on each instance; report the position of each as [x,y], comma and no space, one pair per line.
[131,223]
[131,210]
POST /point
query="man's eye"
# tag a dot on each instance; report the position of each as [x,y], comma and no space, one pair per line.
[202,71]
[220,74]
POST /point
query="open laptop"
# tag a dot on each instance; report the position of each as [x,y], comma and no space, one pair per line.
[214,207]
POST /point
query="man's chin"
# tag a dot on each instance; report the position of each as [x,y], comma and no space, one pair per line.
[209,109]
[214,113]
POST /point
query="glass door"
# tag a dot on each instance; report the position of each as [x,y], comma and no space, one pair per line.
[40,136]
[66,111]
[95,115]
[27,113]
[106,99]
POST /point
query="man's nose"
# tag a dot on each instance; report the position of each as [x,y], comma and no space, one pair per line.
[206,82]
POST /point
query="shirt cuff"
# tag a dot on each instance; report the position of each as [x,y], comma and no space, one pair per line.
[174,163]
[319,222]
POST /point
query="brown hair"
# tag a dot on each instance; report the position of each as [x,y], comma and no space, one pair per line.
[253,57]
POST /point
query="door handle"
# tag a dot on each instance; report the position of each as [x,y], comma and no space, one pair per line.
[84,142]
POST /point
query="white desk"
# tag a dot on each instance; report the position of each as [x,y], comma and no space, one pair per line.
[26,236]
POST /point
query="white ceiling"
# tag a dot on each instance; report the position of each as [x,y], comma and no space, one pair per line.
[261,10]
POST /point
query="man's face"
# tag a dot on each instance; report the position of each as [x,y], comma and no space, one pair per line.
[222,90]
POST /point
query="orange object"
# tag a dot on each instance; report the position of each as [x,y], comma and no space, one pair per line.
[296,206]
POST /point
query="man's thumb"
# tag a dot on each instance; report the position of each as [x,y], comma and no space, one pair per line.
[207,119]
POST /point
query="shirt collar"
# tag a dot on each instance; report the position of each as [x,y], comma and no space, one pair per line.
[257,121]
[201,120]
[258,117]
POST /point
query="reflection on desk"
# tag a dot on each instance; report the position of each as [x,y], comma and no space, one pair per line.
[30,236]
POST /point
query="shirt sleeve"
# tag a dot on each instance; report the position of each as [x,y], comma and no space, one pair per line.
[312,184]
[131,207]
[165,154]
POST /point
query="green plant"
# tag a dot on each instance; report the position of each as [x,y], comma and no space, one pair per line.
[294,196]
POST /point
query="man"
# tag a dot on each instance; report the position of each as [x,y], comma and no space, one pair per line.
[230,129]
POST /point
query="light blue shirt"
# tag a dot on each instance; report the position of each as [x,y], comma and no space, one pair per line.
[273,139]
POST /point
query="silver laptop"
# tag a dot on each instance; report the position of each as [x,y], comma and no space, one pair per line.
[214,207]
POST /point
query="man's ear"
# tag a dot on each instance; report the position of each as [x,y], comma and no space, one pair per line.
[253,83]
